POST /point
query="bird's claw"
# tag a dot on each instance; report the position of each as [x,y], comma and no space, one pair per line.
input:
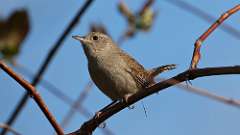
[97,114]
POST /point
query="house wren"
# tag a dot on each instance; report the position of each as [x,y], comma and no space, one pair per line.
[113,71]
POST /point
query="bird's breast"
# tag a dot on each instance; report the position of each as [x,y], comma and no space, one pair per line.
[110,76]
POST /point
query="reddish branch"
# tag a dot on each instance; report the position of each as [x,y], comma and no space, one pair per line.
[197,12]
[88,127]
[196,53]
[46,62]
[36,96]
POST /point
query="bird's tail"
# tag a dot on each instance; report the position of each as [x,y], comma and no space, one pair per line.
[155,71]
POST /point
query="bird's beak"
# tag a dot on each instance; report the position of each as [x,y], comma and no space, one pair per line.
[83,39]
[79,38]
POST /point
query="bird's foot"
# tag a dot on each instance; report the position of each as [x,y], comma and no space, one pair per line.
[97,114]
[96,117]
[125,100]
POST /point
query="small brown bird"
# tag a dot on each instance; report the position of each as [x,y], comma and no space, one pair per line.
[115,72]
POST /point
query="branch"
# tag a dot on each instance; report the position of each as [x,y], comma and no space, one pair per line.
[36,96]
[77,104]
[89,126]
[205,35]
[47,61]
[146,5]
[206,93]
[8,128]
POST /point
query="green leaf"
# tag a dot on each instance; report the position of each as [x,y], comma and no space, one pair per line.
[13,31]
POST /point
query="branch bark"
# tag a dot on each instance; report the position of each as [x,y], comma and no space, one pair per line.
[89,126]
[4,126]
[35,95]
[197,46]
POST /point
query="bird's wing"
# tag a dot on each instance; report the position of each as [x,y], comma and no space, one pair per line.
[137,71]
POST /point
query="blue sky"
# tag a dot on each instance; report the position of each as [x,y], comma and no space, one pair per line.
[170,41]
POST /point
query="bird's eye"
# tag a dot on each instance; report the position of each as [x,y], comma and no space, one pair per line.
[95,38]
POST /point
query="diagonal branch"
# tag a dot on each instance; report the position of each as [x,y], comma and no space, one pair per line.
[35,95]
[146,5]
[89,126]
[206,93]
[47,61]
[4,126]
[196,53]
[77,104]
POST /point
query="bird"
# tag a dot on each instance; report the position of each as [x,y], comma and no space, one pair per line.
[116,73]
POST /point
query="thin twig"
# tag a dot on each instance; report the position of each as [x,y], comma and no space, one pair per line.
[202,38]
[206,93]
[4,126]
[34,94]
[204,16]
[46,62]
[89,126]
[76,104]
[146,5]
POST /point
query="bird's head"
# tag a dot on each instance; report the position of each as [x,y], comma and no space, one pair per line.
[96,43]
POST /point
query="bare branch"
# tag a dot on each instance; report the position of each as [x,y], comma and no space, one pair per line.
[146,5]
[196,53]
[206,93]
[47,61]
[88,127]
[8,128]
[36,96]
[77,104]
